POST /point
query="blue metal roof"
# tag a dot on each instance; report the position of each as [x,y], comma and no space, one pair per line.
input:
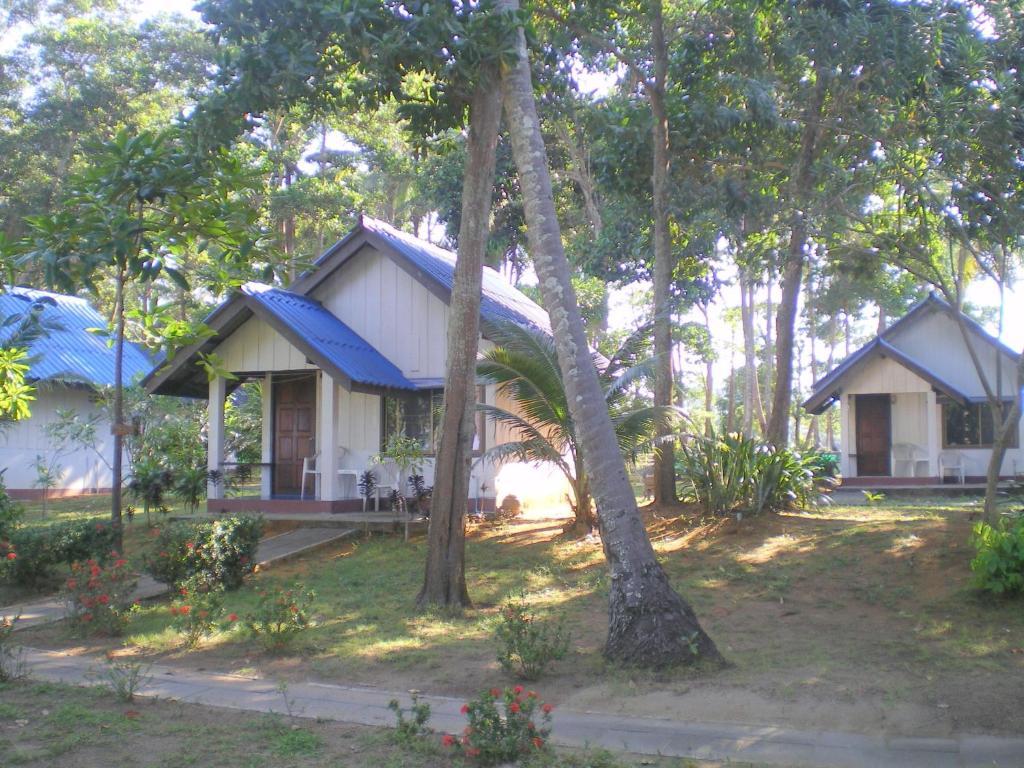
[71,350]
[500,300]
[327,341]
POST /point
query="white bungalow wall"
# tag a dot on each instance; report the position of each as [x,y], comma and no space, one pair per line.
[81,470]
[916,417]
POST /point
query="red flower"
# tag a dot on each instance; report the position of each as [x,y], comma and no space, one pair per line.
[465,709]
[547,709]
[104,599]
[72,584]
[184,610]
[293,608]
[517,690]
[472,752]
[120,562]
[11,556]
[538,742]
[513,707]
[183,591]
[95,570]
[448,740]
[495,692]
[88,602]
[86,617]
[232,617]
[174,610]
[203,614]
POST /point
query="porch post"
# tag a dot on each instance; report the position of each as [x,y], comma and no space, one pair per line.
[267,438]
[845,435]
[215,433]
[328,439]
[934,435]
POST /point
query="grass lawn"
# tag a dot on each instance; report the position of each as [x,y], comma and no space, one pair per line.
[58,726]
[847,618]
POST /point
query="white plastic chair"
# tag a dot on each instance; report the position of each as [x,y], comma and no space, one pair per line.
[951,461]
[908,454]
[344,472]
[309,468]
[387,479]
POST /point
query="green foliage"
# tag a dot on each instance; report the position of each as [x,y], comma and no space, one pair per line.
[730,473]
[39,549]
[502,727]
[124,677]
[198,608]
[524,366]
[12,663]
[280,615]
[190,486]
[998,564]
[11,512]
[149,483]
[527,646]
[15,393]
[221,552]
[98,597]
[410,729]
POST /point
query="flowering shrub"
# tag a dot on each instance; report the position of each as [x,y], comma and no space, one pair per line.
[197,609]
[98,598]
[526,647]
[501,726]
[280,615]
[223,551]
[39,549]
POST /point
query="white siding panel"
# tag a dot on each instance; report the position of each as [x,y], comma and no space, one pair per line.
[884,376]
[80,469]
[391,310]
[255,346]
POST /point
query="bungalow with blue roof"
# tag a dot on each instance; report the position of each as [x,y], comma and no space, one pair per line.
[69,364]
[913,407]
[348,356]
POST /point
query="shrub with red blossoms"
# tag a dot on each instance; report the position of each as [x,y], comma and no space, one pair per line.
[502,726]
[197,610]
[97,598]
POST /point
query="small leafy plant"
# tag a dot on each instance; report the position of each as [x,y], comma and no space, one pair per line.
[198,609]
[873,498]
[998,564]
[223,551]
[98,598]
[124,678]
[410,729]
[367,484]
[12,656]
[526,646]
[502,727]
[280,615]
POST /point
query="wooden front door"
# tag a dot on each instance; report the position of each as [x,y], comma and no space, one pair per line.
[874,435]
[294,431]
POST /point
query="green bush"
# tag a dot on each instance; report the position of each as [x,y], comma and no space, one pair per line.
[998,564]
[526,646]
[40,549]
[502,727]
[732,473]
[197,609]
[280,615]
[98,598]
[10,512]
[222,552]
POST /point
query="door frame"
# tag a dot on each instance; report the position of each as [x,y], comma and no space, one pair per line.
[275,379]
[887,399]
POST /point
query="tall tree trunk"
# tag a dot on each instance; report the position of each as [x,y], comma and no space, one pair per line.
[792,270]
[752,406]
[118,427]
[664,457]
[709,376]
[730,415]
[444,583]
[649,624]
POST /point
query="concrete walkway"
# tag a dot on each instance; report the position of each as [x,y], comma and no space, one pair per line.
[709,741]
[271,550]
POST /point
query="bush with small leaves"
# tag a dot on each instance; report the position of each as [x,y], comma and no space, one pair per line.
[280,615]
[527,646]
[502,727]
[98,598]
[124,677]
[39,550]
[412,728]
[198,609]
[223,551]
[998,564]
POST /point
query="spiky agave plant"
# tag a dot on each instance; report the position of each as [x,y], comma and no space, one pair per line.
[524,366]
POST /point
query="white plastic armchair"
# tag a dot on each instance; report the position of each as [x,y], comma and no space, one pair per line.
[952,462]
[907,454]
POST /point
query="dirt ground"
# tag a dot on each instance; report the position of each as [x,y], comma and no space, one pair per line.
[845,618]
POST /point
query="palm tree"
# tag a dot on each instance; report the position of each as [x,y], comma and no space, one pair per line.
[524,366]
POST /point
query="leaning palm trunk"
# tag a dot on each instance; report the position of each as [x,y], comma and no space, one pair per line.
[444,583]
[649,624]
